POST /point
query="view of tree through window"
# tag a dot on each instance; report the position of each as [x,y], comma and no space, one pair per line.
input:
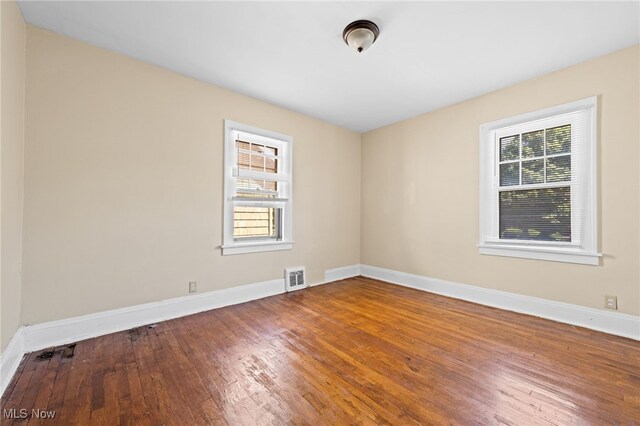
[529,207]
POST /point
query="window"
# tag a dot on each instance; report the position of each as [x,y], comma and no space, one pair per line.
[257,190]
[538,190]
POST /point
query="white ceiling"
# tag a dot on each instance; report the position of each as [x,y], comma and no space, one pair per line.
[429,54]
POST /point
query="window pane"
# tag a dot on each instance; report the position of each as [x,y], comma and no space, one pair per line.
[533,144]
[245,185]
[559,169]
[559,140]
[263,149]
[243,158]
[256,222]
[271,165]
[509,174]
[510,148]
[536,214]
[255,159]
[533,171]
[257,162]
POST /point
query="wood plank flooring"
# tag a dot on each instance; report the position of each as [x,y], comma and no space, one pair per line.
[357,351]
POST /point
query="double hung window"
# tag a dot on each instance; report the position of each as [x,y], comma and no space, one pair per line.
[257,198]
[538,191]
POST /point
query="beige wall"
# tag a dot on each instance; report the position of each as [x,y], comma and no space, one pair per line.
[12,77]
[123,184]
[420,189]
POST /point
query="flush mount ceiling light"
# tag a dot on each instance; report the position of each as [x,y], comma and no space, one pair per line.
[360,35]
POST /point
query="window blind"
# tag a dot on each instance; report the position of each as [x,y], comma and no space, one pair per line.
[257,199]
[540,180]
[259,188]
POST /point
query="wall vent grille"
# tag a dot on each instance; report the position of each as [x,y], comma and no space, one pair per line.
[295,278]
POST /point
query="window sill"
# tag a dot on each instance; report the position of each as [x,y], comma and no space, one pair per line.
[567,255]
[255,247]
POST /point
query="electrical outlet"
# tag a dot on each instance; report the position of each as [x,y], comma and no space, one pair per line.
[193,286]
[611,302]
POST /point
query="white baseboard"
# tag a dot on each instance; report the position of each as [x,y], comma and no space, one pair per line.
[36,337]
[608,322]
[55,333]
[10,358]
[337,274]
[32,338]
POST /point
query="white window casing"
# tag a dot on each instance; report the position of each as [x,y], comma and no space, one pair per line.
[582,246]
[273,196]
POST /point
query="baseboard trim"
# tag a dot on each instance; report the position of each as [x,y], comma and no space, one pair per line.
[55,333]
[36,337]
[10,359]
[615,323]
[342,273]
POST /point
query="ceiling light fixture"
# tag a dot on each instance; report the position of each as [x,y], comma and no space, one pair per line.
[360,35]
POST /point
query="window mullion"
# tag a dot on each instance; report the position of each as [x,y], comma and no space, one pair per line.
[544,152]
[520,159]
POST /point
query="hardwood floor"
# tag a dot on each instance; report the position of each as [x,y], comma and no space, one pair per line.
[358,351]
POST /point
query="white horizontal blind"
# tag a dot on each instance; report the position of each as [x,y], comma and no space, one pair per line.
[538,192]
[257,190]
[540,181]
[260,188]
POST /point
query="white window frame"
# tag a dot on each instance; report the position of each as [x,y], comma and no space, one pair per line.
[583,248]
[284,144]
